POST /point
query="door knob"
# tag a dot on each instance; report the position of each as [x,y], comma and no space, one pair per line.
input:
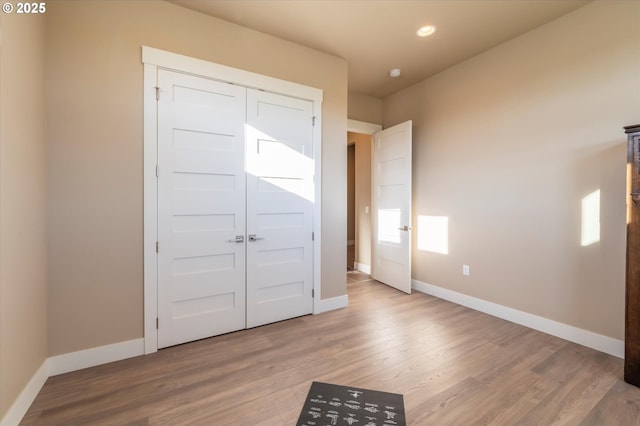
[253,237]
[404,228]
[238,239]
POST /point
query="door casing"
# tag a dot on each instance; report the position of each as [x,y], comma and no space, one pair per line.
[154,59]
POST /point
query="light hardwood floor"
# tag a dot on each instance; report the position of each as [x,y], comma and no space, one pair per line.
[455,366]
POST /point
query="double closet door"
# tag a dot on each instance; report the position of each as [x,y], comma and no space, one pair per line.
[235,203]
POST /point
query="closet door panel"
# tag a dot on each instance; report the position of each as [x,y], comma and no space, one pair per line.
[280,197]
[201,208]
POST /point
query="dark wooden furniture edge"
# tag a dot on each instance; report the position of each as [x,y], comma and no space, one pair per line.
[632,278]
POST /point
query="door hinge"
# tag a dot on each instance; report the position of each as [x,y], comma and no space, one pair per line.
[157,171]
[313,236]
[313,120]
[157,323]
[157,247]
[157,93]
[313,293]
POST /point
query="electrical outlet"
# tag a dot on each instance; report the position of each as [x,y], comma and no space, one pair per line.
[465,269]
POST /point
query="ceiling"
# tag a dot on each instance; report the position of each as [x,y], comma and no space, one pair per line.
[377,35]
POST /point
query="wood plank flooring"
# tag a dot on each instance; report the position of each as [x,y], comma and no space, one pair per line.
[455,366]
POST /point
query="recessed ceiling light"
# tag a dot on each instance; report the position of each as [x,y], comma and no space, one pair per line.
[394,72]
[425,31]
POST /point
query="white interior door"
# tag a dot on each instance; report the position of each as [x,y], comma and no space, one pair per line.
[201,208]
[391,202]
[280,192]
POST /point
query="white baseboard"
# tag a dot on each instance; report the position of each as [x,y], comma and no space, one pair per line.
[577,335]
[73,361]
[331,304]
[27,396]
[363,268]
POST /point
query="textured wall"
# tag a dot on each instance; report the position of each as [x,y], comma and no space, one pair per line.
[508,143]
[95,129]
[23,257]
[365,108]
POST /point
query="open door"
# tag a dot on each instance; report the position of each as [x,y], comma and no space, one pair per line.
[391,202]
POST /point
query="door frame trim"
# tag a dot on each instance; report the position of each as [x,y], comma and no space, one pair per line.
[362,127]
[152,60]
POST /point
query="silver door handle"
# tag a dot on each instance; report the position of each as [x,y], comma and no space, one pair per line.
[404,228]
[239,239]
[253,237]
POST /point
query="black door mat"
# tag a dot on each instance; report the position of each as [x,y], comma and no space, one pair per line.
[334,405]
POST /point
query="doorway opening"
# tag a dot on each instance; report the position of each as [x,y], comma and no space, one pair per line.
[351,199]
[359,202]
[382,202]
[360,140]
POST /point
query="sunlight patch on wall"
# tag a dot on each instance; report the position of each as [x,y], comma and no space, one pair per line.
[433,234]
[591,219]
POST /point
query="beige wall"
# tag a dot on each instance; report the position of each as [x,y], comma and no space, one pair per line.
[362,196]
[365,108]
[351,190]
[94,115]
[508,143]
[23,261]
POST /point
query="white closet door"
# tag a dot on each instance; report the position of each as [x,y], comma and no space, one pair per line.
[201,208]
[391,201]
[280,192]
